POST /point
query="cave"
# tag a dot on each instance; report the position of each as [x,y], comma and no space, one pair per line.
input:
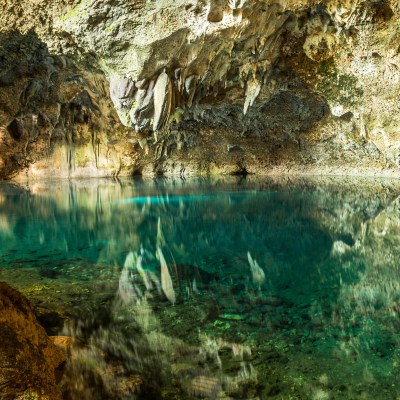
[199,199]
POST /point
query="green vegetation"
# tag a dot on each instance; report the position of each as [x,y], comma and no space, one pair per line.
[110,28]
[127,117]
[176,116]
[76,11]
[338,87]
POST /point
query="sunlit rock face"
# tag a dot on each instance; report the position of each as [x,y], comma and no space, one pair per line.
[178,87]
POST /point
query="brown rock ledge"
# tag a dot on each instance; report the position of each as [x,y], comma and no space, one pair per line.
[28,357]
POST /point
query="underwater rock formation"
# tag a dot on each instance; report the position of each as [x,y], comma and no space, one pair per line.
[108,88]
[28,358]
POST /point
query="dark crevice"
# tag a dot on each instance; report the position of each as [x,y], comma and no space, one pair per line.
[15,130]
[242,171]
[137,172]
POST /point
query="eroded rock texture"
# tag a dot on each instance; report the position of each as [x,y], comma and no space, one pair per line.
[99,87]
[28,358]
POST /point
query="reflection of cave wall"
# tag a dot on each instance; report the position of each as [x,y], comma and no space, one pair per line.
[296,226]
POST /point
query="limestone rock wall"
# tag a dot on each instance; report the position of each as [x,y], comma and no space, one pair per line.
[101,87]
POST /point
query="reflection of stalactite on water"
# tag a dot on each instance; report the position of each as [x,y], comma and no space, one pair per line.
[143,355]
[135,283]
[72,197]
[99,206]
[136,290]
[257,274]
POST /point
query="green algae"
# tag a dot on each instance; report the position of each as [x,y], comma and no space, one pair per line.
[234,317]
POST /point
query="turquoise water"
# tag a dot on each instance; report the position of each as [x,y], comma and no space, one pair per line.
[229,289]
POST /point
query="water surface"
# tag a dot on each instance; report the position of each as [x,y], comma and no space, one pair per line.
[230,289]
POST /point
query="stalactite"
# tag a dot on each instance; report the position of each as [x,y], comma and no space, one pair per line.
[162,100]
[252,91]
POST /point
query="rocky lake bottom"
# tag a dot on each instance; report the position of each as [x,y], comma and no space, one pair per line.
[221,289]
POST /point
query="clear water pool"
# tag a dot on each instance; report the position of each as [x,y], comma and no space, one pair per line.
[229,289]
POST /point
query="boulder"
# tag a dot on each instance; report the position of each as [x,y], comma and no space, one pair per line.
[28,357]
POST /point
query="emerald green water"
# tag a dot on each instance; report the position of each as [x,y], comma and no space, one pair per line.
[270,289]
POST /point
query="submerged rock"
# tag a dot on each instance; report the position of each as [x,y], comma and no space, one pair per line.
[28,357]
